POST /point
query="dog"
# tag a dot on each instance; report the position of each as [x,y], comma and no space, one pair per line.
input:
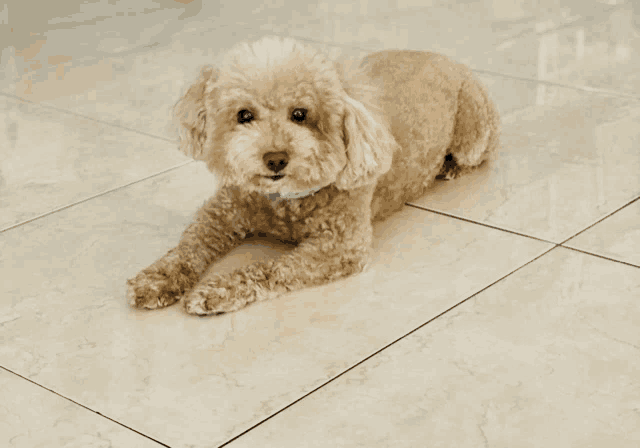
[310,152]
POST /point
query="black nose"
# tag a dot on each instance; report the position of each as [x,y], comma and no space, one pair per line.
[276,161]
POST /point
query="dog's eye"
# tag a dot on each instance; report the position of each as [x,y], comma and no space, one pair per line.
[245,116]
[298,115]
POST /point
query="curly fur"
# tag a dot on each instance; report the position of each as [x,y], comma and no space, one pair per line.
[372,139]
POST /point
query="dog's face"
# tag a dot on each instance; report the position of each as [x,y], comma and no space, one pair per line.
[275,118]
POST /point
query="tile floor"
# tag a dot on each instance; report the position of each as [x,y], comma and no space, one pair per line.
[501,310]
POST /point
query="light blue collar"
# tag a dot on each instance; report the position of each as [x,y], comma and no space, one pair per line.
[293,195]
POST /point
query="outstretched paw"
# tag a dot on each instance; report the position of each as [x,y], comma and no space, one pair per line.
[151,289]
[223,296]
[210,301]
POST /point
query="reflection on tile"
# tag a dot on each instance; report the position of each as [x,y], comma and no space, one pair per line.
[136,91]
[617,237]
[36,418]
[547,357]
[132,78]
[600,51]
[50,159]
[161,372]
[567,159]
[463,30]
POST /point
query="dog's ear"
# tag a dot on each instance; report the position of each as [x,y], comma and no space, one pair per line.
[190,114]
[369,146]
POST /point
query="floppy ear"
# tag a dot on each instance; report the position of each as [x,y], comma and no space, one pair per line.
[190,114]
[369,146]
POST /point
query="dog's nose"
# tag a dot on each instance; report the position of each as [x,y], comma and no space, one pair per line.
[276,161]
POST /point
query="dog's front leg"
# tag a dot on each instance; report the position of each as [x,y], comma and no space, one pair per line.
[317,260]
[220,225]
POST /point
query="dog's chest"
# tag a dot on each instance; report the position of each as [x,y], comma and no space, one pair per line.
[290,219]
[285,218]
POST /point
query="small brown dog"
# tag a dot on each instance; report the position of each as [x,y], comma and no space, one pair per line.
[311,154]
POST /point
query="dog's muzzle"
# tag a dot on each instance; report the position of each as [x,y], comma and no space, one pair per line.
[276,161]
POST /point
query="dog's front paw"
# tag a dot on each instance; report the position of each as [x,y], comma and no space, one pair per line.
[203,301]
[223,295]
[152,289]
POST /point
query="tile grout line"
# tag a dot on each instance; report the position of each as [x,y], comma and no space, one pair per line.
[102,193]
[581,20]
[45,105]
[561,244]
[593,254]
[598,221]
[461,218]
[578,88]
[532,32]
[384,348]
[82,406]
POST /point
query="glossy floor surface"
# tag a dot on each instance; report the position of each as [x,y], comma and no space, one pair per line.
[501,309]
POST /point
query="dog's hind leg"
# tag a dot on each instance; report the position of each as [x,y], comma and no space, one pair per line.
[476,133]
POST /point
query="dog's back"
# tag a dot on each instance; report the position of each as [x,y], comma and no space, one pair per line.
[434,107]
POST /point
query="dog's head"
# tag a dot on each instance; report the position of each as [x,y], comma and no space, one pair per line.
[275,118]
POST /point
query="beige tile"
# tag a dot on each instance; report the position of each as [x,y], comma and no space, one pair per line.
[547,357]
[138,90]
[131,76]
[462,30]
[36,418]
[617,237]
[599,50]
[567,159]
[200,381]
[50,159]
